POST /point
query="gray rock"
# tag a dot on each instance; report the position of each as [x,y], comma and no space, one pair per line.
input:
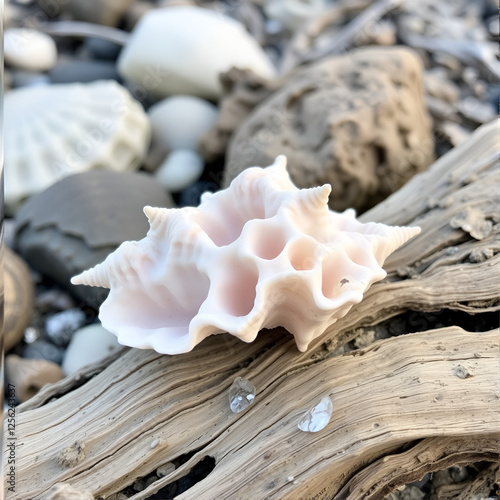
[42,349]
[84,72]
[102,49]
[28,78]
[77,222]
[53,299]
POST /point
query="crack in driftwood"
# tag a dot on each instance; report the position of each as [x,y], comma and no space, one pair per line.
[181,401]
[426,456]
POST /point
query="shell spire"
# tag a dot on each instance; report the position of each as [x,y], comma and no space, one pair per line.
[391,238]
[96,276]
[157,217]
[316,197]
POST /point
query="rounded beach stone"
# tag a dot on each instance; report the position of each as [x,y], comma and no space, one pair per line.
[181,168]
[179,121]
[30,375]
[19,297]
[77,222]
[292,14]
[356,121]
[29,49]
[88,345]
[207,43]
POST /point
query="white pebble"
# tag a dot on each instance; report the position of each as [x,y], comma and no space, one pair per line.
[29,49]
[179,170]
[183,50]
[88,345]
[179,121]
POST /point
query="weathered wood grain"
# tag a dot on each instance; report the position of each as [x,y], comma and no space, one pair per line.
[386,397]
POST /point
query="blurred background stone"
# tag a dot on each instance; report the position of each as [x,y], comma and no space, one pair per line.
[19,295]
[106,12]
[30,375]
[29,49]
[88,345]
[77,222]
[208,43]
[84,72]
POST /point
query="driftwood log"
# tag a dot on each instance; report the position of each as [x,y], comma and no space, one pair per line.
[403,406]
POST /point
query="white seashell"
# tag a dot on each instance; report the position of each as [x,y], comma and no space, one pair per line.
[292,14]
[179,121]
[57,130]
[29,49]
[180,169]
[183,49]
[261,253]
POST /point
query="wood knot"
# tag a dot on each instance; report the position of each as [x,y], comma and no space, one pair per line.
[72,455]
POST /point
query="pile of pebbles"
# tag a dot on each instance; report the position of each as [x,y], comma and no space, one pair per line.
[112,105]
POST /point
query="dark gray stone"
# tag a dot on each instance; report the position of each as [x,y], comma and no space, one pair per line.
[84,72]
[42,349]
[74,224]
[190,197]
[28,79]
[102,49]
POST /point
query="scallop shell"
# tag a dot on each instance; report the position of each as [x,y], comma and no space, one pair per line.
[56,130]
[261,253]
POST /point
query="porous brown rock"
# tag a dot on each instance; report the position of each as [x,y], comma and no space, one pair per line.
[243,90]
[357,121]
